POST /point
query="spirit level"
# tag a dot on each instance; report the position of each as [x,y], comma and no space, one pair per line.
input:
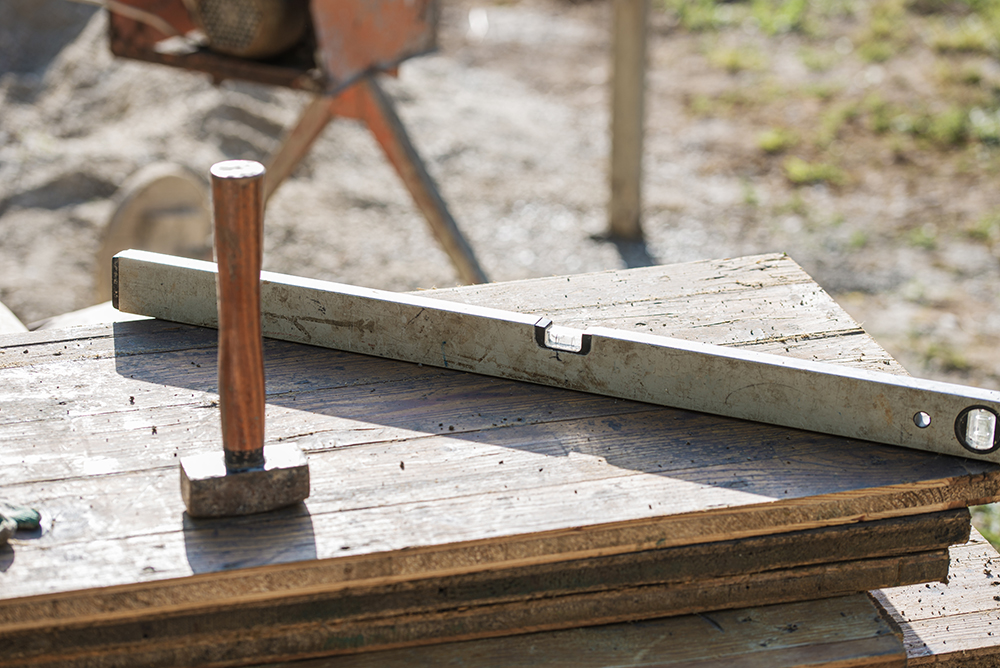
[886,408]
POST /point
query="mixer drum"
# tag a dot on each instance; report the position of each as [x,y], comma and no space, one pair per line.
[251,28]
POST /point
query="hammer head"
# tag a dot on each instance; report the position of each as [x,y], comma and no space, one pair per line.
[209,490]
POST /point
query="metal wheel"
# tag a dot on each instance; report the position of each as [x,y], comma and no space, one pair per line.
[163,208]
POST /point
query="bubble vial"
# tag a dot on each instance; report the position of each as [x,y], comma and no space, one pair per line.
[980,429]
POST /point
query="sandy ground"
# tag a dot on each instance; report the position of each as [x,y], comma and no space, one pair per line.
[513,125]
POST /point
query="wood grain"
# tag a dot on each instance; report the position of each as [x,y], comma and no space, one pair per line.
[237,199]
[291,627]
[839,632]
[955,623]
[678,566]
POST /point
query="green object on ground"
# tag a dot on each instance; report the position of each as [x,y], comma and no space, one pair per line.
[27,518]
[14,518]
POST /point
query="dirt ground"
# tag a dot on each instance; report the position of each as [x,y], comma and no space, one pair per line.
[512,121]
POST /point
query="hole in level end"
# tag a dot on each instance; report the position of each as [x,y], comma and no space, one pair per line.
[922,419]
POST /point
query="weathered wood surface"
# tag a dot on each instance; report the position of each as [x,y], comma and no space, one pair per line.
[954,624]
[421,472]
[332,624]
[757,571]
[833,633]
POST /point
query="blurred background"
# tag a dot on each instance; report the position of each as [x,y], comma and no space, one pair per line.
[862,137]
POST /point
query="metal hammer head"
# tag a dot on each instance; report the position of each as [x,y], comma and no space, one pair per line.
[211,490]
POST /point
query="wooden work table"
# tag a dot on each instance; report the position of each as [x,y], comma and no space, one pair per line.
[423,475]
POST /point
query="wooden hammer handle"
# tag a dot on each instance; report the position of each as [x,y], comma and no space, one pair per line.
[237,194]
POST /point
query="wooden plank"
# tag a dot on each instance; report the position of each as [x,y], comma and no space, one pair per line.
[657,478]
[955,623]
[205,550]
[839,632]
[324,625]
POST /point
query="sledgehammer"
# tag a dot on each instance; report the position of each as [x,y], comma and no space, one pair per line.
[247,476]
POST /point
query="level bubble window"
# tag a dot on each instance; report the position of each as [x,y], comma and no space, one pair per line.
[980,429]
[564,338]
[976,429]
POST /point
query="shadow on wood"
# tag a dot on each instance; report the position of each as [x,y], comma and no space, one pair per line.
[214,545]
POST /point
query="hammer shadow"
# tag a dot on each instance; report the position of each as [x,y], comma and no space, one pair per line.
[6,557]
[280,536]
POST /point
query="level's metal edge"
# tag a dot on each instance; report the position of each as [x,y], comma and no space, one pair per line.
[785,391]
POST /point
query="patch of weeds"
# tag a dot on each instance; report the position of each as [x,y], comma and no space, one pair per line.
[857,240]
[949,127]
[986,229]
[736,59]
[833,120]
[703,105]
[776,140]
[876,51]
[968,74]
[750,197]
[745,97]
[817,60]
[843,9]
[971,35]
[693,15]
[924,237]
[780,16]
[795,204]
[799,172]
[887,31]
[821,90]
[880,114]
[942,355]
[984,125]
[987,520]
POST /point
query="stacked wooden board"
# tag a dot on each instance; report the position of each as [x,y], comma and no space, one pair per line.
[447,506]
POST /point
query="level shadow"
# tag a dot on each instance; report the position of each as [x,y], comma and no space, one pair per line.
[329,400]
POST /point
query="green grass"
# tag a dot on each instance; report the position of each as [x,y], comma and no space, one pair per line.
[776,140]
[972,35]
[949,127]
[818,60]
[799,172]
[986,229]
[736,59]
[984,125]
[946,357]
[885,33]
[833,121]
[987,520]
[845,116]
[924,237]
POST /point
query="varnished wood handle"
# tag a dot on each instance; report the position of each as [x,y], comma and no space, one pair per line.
[237,194]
